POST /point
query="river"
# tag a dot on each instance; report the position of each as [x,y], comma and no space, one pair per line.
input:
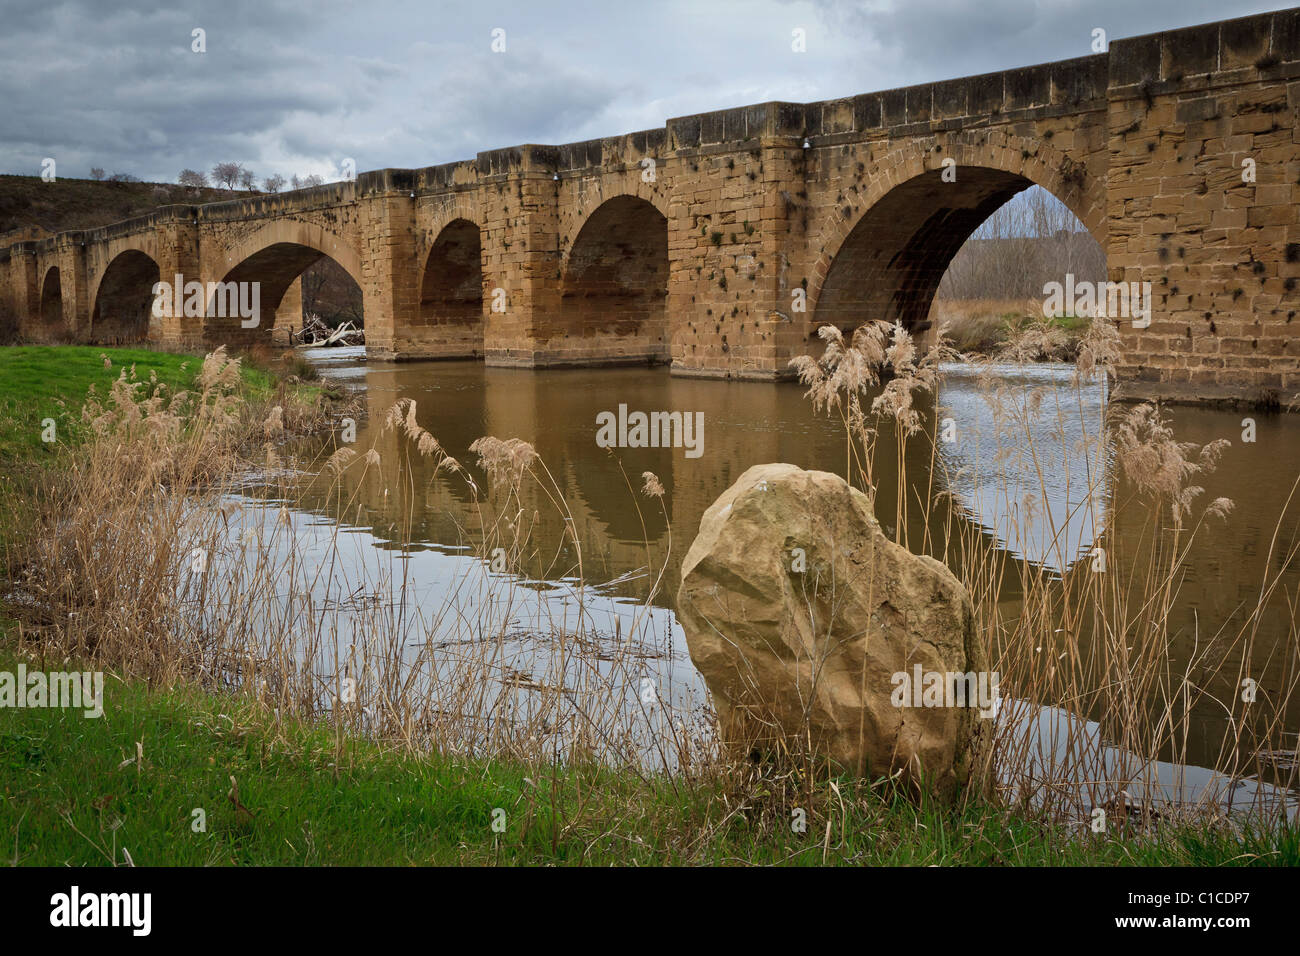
[1035,508]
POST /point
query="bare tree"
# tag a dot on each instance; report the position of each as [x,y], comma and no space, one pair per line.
[192,178]
[248,179]
[329,293]
[96,173]
[273,184]
[313,281]
[227,174]
[1030,240]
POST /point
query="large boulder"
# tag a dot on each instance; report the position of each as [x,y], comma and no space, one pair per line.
[801,616]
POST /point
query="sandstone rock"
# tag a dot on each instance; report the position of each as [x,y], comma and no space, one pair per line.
[816,652]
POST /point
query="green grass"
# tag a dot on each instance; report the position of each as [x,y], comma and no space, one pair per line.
[1075,325]
[984,328]
[72,792]
[34,380]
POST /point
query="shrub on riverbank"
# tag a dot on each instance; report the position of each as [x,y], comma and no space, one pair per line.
[108,524]
[40,382]
[986,326]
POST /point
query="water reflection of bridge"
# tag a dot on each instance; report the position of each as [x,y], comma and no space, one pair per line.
[621,531]
[749,423]
[1026,460]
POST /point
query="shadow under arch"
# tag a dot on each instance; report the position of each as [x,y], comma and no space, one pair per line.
[614,289]
[450,317]
[891,262]
[123,309]
[52,325]
[269,271]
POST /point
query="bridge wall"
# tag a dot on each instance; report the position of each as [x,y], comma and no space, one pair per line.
[721,242]
[1185,110]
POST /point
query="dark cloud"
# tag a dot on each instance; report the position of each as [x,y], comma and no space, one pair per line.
[296,88]
[925,40]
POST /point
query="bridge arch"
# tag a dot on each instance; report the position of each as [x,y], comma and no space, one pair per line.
[887,262]
[124,295]
[449,322]
[273,257]
[52,324]
[614,283]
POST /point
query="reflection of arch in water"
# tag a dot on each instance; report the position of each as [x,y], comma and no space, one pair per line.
[745,424]
[1024,460]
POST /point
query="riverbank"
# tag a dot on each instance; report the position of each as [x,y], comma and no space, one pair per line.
[986,326]
[40,384]
[44,390]
[274,788]
[150,783]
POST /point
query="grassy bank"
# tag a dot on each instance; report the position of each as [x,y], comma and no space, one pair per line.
[987,326]
[44,389]
[77,791]
[39,382]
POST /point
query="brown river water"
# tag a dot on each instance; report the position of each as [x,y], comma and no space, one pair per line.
[629,541]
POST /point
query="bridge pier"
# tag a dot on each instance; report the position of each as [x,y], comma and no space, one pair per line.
[24,283]
[518,212]
[288,316]
[177,243]
[386,217]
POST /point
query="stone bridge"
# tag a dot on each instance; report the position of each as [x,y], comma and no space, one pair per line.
[721,242]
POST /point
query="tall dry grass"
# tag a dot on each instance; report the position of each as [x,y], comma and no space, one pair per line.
[1089,636]
[152,556]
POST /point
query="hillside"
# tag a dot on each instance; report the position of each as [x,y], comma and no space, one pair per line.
[32,209]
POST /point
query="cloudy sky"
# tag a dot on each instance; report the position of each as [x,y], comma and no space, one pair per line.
[298,86]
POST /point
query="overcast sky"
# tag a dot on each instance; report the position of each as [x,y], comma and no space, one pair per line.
[297,86]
